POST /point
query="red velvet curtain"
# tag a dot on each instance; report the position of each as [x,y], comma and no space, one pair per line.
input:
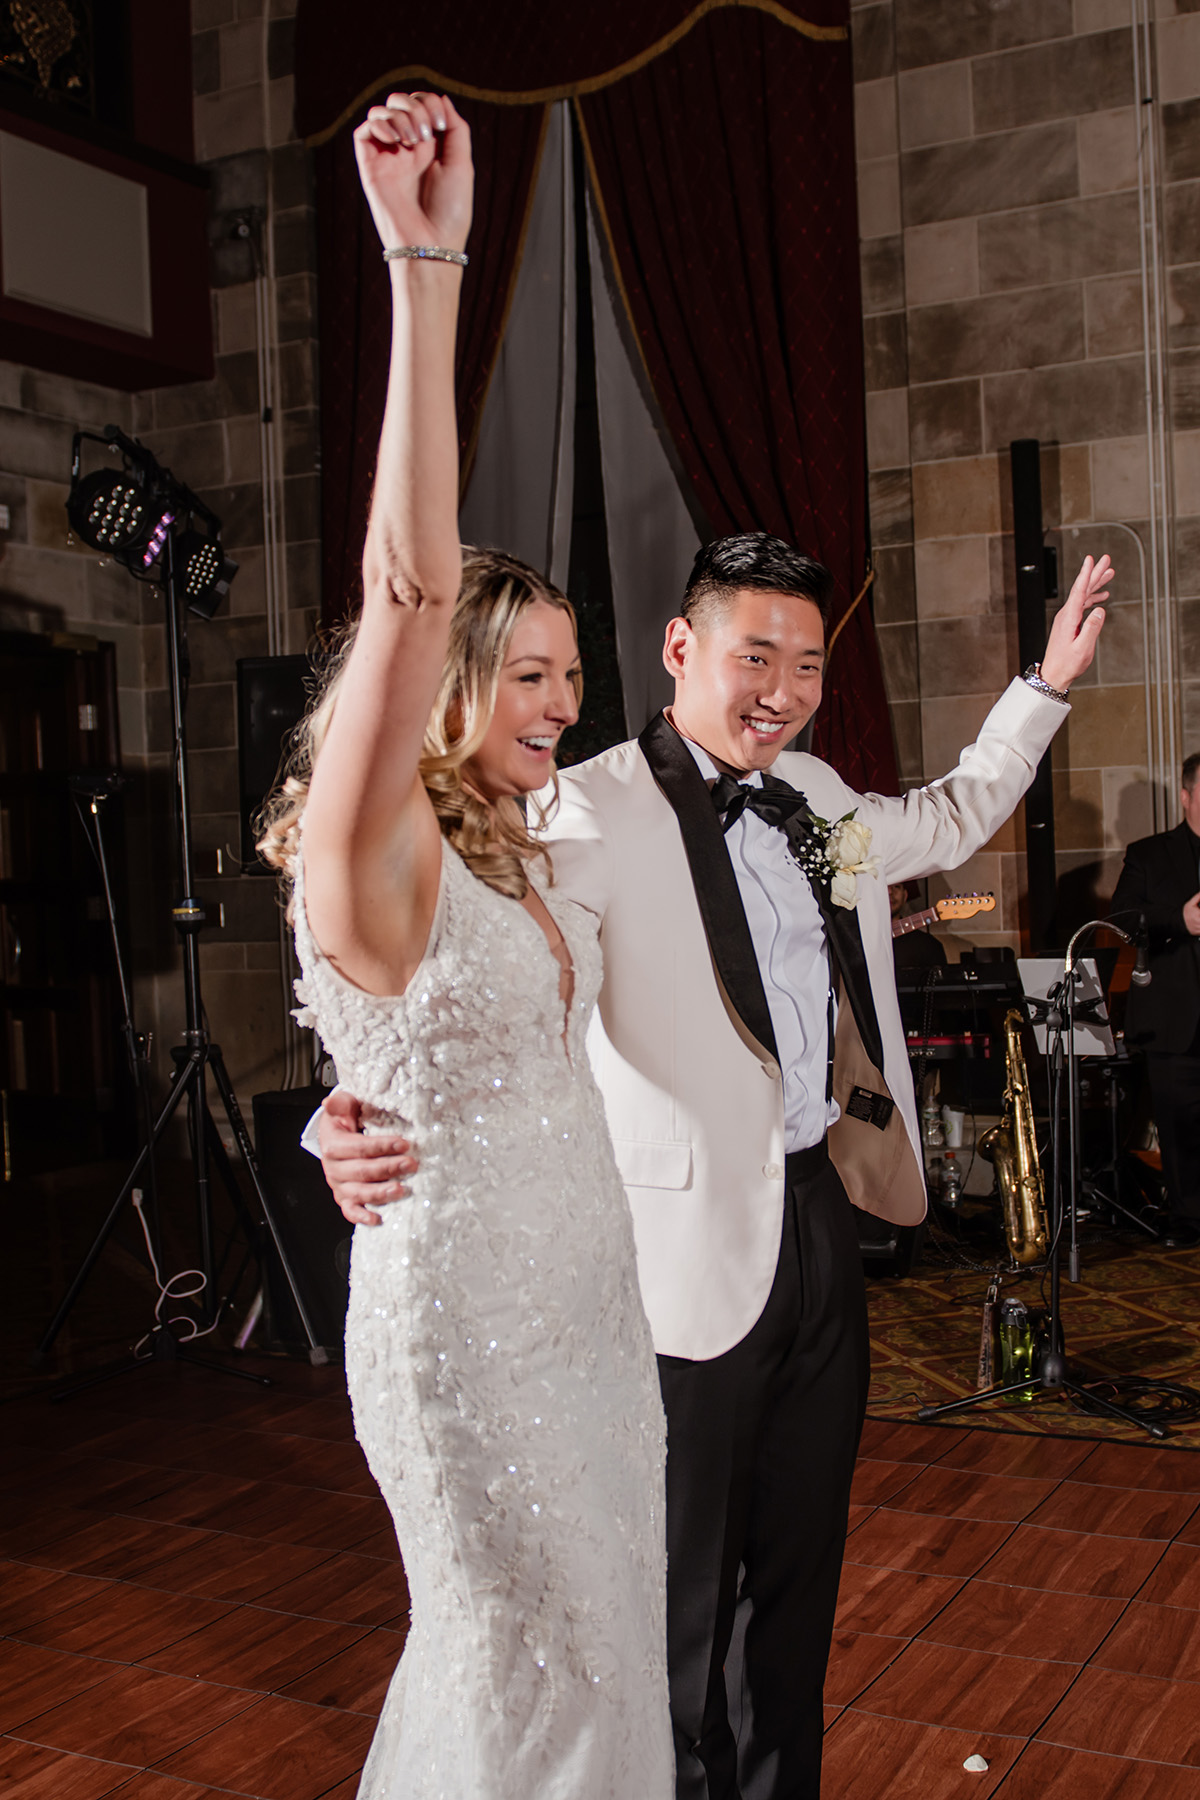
[725,171]
[720,139]
[355,319]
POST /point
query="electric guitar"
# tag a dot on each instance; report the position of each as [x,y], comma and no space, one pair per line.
[954,906]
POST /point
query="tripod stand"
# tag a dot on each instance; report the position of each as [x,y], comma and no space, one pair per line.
[194,1058]
[1050,1375]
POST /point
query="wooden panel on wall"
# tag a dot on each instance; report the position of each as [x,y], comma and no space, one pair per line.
[178,346]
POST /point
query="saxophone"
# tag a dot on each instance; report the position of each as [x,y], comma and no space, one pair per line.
[1012,1147]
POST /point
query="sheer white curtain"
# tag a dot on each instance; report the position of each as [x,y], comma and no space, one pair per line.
[652,540]
[520,493]
[521,489]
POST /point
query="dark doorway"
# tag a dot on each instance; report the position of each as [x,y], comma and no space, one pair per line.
[63,1091]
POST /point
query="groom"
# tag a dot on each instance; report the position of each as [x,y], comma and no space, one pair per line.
[749,1048]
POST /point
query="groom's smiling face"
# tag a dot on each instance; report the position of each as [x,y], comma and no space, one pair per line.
[747,676]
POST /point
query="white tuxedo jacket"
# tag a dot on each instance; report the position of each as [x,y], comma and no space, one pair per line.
[693,1094]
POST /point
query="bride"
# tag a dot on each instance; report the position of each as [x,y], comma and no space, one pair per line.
[499,1363]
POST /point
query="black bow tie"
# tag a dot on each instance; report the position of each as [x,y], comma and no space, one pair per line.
[774,802]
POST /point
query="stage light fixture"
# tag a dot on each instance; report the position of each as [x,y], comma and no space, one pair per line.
[167,537]
[108,511]
[130,514]
[205,571]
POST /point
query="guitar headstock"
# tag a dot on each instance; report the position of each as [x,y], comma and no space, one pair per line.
[964,906]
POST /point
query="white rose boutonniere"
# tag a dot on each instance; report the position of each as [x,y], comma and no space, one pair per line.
[843,888]
[836,854]
[848,849]
[850,844]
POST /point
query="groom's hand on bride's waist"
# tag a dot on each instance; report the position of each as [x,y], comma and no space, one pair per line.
[363,1172]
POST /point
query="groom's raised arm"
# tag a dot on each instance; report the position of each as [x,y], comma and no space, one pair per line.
[939,826]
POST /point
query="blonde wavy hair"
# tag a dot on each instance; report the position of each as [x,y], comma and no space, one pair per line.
[491,836]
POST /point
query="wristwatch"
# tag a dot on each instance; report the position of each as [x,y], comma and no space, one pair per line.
[1033,675]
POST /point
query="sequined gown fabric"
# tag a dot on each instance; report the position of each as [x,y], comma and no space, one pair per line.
[502,1373]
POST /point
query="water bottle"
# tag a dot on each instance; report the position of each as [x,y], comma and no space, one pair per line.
[951,1180]
[1016,1344]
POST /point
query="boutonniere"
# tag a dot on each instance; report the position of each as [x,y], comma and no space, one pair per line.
[834,855]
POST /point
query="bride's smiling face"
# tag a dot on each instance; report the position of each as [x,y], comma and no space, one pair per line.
[536,700]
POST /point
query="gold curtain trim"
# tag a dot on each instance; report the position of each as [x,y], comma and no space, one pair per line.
[573,90]
[848,615]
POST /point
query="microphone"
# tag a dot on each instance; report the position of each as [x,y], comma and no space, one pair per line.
[1140,974]
[1054,1015]
[99,783]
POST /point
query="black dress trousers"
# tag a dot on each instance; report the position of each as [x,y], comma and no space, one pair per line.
[761,1444]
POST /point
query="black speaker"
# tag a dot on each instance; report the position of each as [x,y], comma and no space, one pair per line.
[316,1238]
[1033,569]
[272,698]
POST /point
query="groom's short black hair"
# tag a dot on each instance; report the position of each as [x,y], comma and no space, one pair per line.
[752,559]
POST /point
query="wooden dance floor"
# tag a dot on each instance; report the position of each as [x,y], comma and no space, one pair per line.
[201,1595]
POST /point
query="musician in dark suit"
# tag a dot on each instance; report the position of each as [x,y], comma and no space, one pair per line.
[1161,880]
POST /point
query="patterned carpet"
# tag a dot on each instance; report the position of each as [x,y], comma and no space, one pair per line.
[1134,1315]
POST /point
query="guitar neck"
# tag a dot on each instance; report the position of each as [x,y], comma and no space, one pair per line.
[915,921]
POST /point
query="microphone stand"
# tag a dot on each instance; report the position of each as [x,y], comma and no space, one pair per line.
[1050,1372]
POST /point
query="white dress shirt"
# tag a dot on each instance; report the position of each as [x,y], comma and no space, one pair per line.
[788,934]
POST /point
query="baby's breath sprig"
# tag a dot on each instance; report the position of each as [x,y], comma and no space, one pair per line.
[833,854]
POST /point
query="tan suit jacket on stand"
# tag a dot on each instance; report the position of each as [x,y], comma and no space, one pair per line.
[694,1098]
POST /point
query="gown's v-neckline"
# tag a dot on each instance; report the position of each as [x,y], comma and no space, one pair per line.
[565,964]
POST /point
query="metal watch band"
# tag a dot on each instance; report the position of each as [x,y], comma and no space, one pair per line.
[1033,675]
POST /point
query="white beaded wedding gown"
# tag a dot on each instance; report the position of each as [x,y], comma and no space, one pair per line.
[502,1374]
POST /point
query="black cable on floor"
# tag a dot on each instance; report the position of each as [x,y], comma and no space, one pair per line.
[1151,1402]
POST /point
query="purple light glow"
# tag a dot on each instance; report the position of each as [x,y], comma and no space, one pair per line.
[158,538]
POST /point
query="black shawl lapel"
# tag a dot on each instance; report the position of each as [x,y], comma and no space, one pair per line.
[845,939]
[674,769]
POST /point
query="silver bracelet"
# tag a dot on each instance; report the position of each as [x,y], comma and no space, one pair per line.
[1033,675]
[426,253]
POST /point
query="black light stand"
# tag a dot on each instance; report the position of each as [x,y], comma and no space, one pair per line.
[1050,1374]
[161,500]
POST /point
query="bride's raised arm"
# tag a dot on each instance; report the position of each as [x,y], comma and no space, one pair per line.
[372,846]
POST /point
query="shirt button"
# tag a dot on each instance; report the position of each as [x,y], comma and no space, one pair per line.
[770,1070]
[773,1171]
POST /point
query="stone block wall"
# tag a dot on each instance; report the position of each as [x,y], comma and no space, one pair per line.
[1003,297]
[48,584]
[1001,253]
[210,434]
[263,271]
